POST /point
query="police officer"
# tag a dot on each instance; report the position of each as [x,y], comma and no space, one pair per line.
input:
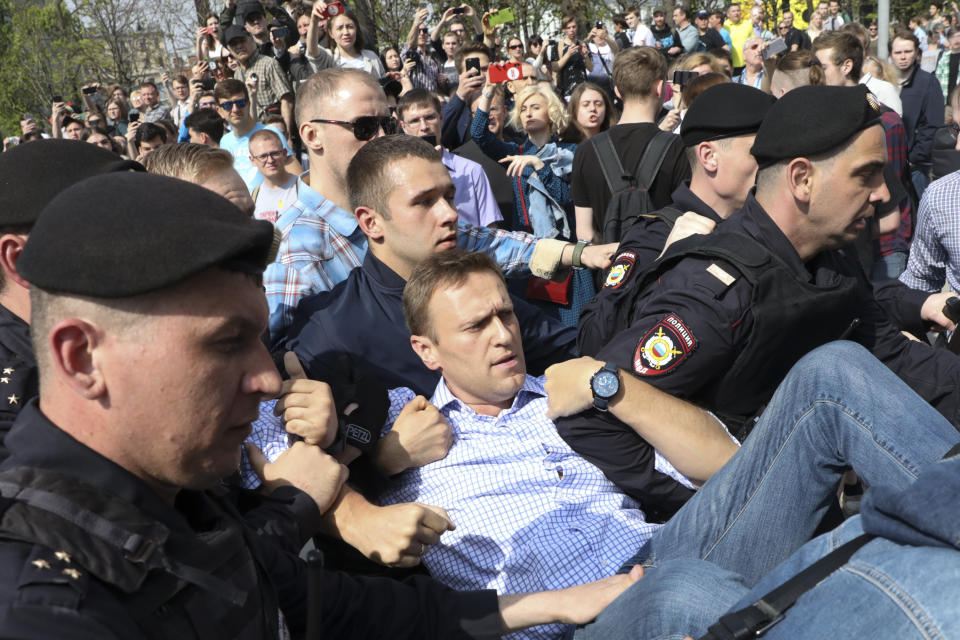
[111,517]
[22,196]
[723,317]
[717,132]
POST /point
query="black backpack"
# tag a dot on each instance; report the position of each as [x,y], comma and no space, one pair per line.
[629,194]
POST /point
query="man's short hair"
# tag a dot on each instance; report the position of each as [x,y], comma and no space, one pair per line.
[719,15]
[632,9]
[684,10]
[466,49]
[366,180]
[845,46]
[439,270]
[322,85]
[225,89]
[637,70]
[182,79]
[206,121]
[148,83]
[269,134]
[905,34]
[417,98]
[620,21]
[859,31]
[188,161]
[150,131]
[274,118]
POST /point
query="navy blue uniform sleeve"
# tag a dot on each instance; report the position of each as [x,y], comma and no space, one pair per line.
[546,340]
[450,136]
[639,249]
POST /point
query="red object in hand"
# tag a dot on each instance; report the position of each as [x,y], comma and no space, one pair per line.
[505,71]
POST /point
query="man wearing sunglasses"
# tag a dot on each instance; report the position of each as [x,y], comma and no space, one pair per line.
[234,106]
[339,111]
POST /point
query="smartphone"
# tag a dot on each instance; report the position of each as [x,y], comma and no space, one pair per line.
[253,77]
[210,30]
[502,16]
[89,90]
[682,78]
[472,63]
[952,309]
[775,47]
[58,98]
[133,117]
[599,25]
[207,84]
[333,9]
[432,140]
[211,65]
[505,72]
[459,11]
[280,33]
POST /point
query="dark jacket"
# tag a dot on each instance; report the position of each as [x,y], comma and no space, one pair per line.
[18,371]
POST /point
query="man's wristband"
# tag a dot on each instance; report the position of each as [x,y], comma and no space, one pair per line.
[577,252]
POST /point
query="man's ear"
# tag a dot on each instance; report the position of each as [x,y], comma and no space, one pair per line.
[424,347]
[707,157]
[73,344]
[370,222]
[311,138]
[846,66]
[11,245]
[800,178]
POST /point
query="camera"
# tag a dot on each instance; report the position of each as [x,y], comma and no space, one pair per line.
[459,11]
[682,78]
[410,55]
[58,98]
[280,33]
[505,72]
[207,84]
[599,25]
[211,65]
[333,9]
[87,91]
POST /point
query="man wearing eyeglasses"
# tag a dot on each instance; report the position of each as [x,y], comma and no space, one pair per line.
[339,111]
[279,187]
[233,102]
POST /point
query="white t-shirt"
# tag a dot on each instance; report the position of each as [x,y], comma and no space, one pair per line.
[643,37]
[240,148]
[270,202]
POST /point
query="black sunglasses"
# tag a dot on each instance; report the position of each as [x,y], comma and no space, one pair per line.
[366,127]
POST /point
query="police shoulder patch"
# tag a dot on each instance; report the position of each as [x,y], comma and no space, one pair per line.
[622,265]
[664,347]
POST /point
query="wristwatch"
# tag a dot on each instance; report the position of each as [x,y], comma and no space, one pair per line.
[604,384]
[577,252]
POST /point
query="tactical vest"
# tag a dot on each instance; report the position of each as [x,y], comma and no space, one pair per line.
[791,317]
[214,588]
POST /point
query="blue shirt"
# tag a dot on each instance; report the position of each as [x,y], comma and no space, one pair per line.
[239,147]
[474,199]
[321,243]
[935,253]
[531,514]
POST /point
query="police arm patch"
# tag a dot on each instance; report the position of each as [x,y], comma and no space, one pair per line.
[664,347]
[620,270]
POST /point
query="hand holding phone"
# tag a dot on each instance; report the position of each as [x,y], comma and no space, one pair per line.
[333,9]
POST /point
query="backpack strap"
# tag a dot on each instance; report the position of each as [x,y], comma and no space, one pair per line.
[613,172]
[653,157]
[755,620]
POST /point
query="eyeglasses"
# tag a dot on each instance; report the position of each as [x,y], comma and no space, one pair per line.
[366,127]
[270,155]
[206,105]
[228,105]
[515,46]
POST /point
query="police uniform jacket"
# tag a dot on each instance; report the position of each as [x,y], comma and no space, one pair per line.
[640,247]
[18,371]
[362,318]
[699,332]
[209,573]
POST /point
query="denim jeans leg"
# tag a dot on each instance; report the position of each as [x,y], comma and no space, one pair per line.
[838,407]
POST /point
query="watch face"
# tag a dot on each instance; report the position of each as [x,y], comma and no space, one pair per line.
[606,384]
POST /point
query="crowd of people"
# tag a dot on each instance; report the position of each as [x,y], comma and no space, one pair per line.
[609,333]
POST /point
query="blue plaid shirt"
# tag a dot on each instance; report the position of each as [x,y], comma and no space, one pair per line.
[935,253]
[531,514]
[321,243]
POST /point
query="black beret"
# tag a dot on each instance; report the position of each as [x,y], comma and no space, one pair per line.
[31,174]
[233,32]
[125,234]
[813,120]
[723,111]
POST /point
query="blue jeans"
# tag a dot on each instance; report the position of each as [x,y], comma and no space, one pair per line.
[920,176]
[839,407]
[890,266]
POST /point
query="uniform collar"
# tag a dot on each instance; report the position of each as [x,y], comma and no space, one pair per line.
[16,335]
[754,220]
[686,200]
[36,442]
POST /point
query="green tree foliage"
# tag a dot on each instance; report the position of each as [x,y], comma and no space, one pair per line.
[44,51]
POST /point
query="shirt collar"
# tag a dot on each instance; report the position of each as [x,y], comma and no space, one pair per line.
[686,200]
[343,222]
[382,273]
[443,399]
